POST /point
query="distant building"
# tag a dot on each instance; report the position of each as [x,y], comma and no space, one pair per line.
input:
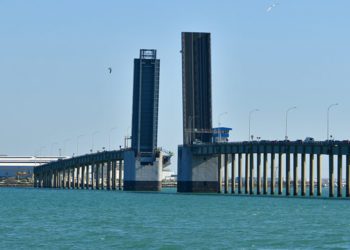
[221,134]
[22,166]
[196,87]
[145,105]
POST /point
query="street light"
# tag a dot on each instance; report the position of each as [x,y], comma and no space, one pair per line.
[78,143]
[109,137]
[250,114]
[286,133]
[329,107]
[93,136]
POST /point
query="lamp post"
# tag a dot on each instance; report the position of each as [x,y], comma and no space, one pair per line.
[329,107]
[78,143]
[250,114]
[109,137]
[286,132]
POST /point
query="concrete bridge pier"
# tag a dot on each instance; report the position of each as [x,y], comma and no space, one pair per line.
[97,176]
[120,178]
[319,175]
[114,170]
[87,179]
[295,174]
[226,172]
[198,173]
[240,181]
[142,173]
[246,177]
[251,174]
[280,168]
[68,177]
[348,175]
[311,175]
[272,181]
[233,170]
[82,184]
[288,173]
[331,175]
[303,174]
[265,173]
[219,174]
[340,175]
[108,175]
[258,173]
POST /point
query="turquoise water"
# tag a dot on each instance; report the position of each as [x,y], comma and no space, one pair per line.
[81,219]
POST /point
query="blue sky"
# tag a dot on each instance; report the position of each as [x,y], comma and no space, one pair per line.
[55,85]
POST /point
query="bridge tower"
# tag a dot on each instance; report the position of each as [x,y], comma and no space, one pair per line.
[196,173]
[143,167]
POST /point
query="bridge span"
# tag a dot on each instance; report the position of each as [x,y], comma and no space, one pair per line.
[95,171]
[268,167]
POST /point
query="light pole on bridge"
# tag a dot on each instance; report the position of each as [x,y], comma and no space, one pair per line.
[286,132]
[79,136]
[329,107]
[250,115]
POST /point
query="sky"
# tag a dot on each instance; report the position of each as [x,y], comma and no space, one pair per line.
[56,92]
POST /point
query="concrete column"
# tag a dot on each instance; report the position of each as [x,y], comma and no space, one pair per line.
[258,173]
[331,174]
[226,172]
[68,177]
[311,175]
[82,182]
[109,175]
[102,175]
[340,175]
[93,181]
[113,175]
[295,174]
[219,174]
[87,176]
[303,173]
[319,175]
[240,178]
[78,177]
[64,178]
[272,181]
[233,180]
[73,178]
[246,183]
[280,169]
[348,175]
[251,173]
[120,174]
[265,173]
[288,172]
[97,173]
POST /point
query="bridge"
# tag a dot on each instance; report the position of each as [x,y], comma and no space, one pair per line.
[263,159]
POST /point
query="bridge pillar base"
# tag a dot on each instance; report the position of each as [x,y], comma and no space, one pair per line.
[141,176]
[196,173]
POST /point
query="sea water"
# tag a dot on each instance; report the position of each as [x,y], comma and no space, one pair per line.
[86,219]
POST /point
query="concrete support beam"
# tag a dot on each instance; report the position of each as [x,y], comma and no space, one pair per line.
[340,175]
[82,182]
[246,183]
[258,173]
[233,170]
[311,175]
[272,181]
[265,173]
[64,178]
[93,180]
[347,175]
[288,173]
[109,175]
[102,166]
[319,175]
[240,179]
[303,174]
[251,173]
[78,177]
[331,175]
[120,178]
[226,172]
[219,174]
[280,169]
[97,175]
[295,174]
[114,171]
[87,173]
